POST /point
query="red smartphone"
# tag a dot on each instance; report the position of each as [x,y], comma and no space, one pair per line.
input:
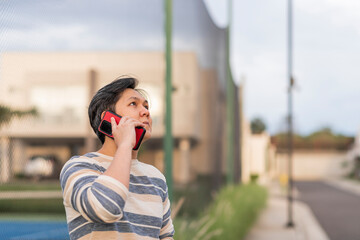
[105,128]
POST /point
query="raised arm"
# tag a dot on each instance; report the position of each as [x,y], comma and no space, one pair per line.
[97,197]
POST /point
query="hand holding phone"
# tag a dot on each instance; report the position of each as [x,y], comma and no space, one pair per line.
[106,128]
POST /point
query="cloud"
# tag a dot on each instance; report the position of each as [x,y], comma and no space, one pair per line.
[339,13]
[48,37]
[326,54]
[81,25]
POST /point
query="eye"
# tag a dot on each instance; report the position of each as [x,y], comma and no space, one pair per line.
[146,106]
[132,104]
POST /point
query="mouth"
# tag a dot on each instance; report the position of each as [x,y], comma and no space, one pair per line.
[146,123]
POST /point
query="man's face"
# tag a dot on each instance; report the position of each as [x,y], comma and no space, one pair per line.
[134,105]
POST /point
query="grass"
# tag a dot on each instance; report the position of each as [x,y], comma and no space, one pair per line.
[31,185]
[50,205]
[229,216]
[32,206]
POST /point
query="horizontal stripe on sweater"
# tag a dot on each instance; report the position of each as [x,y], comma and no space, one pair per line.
[120,226]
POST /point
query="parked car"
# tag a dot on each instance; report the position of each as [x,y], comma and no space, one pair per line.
[40,167]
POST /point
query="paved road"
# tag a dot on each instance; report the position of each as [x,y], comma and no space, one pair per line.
[337,210]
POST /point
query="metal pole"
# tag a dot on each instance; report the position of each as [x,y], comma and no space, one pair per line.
[90,141]
[168,140]
[229,106]
[290,222]
[241,129]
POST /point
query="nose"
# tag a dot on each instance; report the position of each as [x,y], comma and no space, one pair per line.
[144,112]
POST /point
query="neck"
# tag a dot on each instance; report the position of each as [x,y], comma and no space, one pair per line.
[109,148]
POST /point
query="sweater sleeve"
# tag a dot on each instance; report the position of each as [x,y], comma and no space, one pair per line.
[98,198]
[167,230]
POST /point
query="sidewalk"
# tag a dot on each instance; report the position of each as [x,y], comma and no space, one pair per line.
[271,224]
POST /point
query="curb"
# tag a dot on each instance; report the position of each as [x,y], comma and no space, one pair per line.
[271,223]
[309,226]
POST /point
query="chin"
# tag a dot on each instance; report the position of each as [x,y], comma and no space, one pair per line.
[147,136]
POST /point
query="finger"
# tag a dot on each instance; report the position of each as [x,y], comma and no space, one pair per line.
[124,119]
[113,122]
[139,124]
[129,120]
[133,121]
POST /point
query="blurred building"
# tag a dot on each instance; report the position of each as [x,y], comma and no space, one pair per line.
[61,85]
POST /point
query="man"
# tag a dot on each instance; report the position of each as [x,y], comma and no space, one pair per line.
[109,194]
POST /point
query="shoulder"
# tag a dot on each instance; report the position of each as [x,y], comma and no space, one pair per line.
[92,158]
[152,171]
[88,161]
[77,159]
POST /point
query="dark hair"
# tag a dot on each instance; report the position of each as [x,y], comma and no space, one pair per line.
[105,99]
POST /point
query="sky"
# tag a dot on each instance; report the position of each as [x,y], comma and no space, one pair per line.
[326,55]
[326,49]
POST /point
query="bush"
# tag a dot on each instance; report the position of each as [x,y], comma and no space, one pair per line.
[230,216]
[26,185]
[26,205]
[197,197]
[32,206]
[254,177]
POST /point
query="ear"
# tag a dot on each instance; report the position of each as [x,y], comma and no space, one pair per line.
[103,114]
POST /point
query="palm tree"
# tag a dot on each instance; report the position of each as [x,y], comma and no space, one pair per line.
[6,114]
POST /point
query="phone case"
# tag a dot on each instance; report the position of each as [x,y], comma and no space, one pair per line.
[105,128]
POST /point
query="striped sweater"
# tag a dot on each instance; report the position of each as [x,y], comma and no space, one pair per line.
[101,207]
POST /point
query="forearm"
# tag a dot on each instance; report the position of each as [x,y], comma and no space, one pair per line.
[120,166]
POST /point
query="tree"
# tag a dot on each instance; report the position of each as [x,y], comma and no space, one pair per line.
[324,138]
[257,126]
[6,114]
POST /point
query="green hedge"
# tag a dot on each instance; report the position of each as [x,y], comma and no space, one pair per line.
[41,205]
[230,216]
[29,186]
[32,205]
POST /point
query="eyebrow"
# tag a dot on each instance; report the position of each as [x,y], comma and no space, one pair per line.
[138,99]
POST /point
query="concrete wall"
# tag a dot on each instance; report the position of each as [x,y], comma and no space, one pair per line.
[312,164]
[258,155]
[354,152]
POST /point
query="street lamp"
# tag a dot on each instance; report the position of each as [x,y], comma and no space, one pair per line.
[290,222]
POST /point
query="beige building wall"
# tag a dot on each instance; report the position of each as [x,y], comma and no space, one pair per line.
[245,154]
[312,164]
[27,77]
[258,155]
[205,152]
[354,152]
